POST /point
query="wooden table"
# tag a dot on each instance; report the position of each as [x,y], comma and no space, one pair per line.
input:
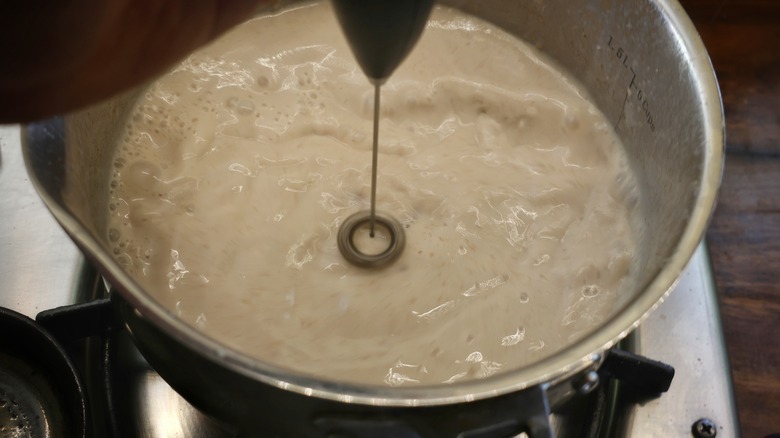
[743,40]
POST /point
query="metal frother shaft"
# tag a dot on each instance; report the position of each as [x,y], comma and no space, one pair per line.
[381,33]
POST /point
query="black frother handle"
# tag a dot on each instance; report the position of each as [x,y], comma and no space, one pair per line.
[381,33]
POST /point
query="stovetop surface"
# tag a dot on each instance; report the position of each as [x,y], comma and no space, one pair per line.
[41,269]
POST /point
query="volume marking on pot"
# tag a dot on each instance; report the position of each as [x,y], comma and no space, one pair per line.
[640,94]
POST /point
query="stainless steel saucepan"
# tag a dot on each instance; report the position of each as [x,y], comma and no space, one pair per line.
[648,72]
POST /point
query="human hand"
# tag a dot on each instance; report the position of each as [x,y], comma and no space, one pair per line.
[58,56]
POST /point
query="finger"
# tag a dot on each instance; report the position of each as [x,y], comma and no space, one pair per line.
[87,50]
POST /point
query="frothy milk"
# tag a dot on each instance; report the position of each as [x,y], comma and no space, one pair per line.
[237,168]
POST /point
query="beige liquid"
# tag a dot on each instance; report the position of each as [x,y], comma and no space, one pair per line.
[238,167]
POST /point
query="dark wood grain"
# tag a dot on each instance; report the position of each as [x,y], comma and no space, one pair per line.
[743,40]
[744,241]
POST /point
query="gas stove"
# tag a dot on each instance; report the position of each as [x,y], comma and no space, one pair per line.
[41,269]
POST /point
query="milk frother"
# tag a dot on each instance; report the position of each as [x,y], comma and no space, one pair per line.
[381,33]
